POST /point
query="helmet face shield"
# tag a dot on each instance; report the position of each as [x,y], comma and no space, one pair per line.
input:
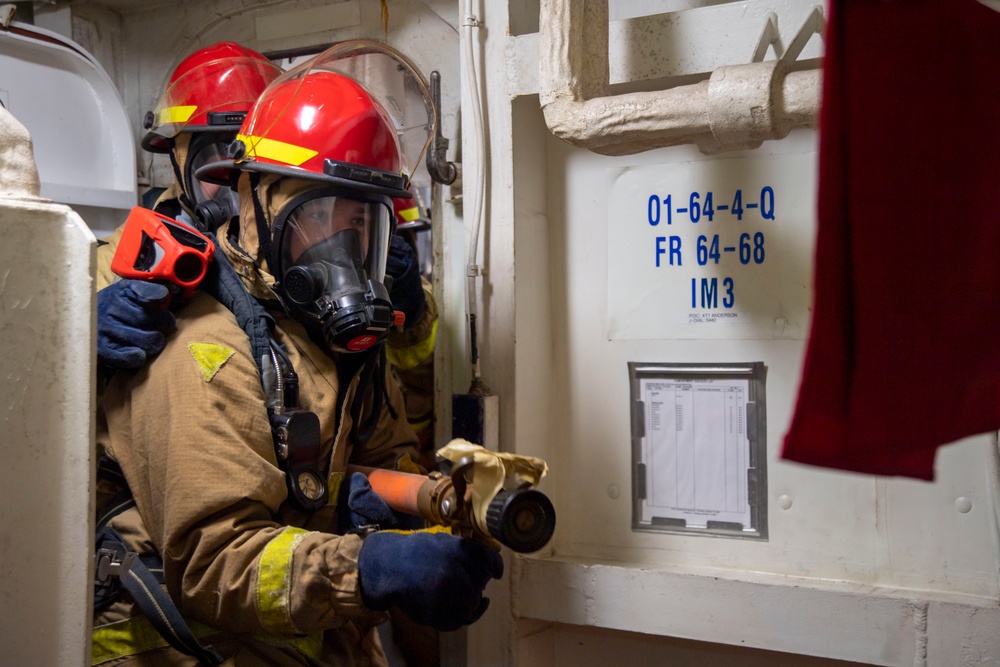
[324,127]
[392,80]
[210,91]
[343,118]
[331,252]
[202,96]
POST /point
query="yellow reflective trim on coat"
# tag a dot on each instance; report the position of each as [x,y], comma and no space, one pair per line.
[210,358]
[133,636]
[311,646]
[333,485]
[420,425]
[274,579]
[404,463]
[412,356]
[278,151]
[436,528]
[168,115]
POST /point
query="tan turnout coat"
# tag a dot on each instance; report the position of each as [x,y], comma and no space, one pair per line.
[262,581]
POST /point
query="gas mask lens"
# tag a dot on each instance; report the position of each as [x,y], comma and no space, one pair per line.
[332,253]
[314,232]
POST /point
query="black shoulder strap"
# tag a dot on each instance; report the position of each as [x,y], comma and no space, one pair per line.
[222,283]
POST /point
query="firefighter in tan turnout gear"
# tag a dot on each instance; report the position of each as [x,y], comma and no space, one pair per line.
[224,464]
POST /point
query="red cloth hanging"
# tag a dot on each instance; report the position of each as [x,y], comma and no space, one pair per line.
[904,353]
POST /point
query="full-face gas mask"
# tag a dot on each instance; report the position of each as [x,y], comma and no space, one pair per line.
[214,204]
[330,248]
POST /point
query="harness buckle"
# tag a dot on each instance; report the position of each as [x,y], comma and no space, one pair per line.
[109,565]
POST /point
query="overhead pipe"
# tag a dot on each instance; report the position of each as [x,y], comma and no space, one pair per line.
[738,107]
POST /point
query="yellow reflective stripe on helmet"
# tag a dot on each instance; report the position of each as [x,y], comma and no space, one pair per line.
[132,636]
[274,578]
[168,115]
[405,358]
[278,151]
[410,214]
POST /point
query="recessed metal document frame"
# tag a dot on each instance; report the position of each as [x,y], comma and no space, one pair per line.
[698,449]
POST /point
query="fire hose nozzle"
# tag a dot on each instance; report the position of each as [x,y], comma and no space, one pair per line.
[523,520]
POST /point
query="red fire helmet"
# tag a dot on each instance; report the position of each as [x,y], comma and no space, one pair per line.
[211,90]
[322,126]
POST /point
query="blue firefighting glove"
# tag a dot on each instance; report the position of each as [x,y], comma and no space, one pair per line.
[359,507]
[406,293]
[131,323]
[437,579]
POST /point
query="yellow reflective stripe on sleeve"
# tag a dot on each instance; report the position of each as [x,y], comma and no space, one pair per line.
[311,646]
[404,463]
[279,151]
[274,579]
[133,636]
[168,115]
[419,426]
[412,356]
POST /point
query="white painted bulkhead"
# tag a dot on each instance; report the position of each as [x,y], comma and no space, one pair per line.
[856,568]
[47,397]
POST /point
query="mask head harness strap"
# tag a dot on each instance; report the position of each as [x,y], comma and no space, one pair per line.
[263,229]
[179,178]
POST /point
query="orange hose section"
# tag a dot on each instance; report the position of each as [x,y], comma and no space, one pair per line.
[399,490]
